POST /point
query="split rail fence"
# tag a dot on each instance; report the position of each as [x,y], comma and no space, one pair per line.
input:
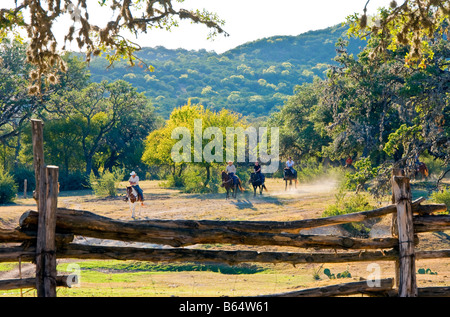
[48,233]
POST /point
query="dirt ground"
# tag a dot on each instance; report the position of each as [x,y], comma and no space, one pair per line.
[305,201]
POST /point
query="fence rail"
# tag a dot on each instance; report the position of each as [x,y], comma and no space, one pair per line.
[49,233]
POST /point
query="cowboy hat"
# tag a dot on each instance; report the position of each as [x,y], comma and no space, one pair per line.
[133,173]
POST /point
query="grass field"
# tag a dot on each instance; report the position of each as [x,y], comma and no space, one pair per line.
[135,279]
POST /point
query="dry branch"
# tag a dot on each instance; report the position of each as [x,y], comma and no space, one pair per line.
[29,283]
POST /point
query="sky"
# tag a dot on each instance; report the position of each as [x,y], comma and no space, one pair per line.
[245,20]
[250,20]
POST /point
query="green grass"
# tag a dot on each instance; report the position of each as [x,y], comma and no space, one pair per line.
[137,266]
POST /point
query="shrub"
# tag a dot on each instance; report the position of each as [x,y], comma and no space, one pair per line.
[107,183]
[442,197]
[8,188]
[346,205]
[364,172]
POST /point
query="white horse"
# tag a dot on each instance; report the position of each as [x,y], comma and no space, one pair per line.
[133,197]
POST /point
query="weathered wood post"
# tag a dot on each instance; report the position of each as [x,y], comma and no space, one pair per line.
[46,194]
[406,281]
[25,181]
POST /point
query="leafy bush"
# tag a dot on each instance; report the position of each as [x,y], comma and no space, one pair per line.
[173,181]
[346,205]
[442,197]
[8,188]
[364,172]
[107,183]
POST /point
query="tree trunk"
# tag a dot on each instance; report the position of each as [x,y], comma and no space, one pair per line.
[208,174]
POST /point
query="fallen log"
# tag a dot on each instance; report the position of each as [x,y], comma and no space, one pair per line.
[61,281]
[437,291]
[431,223]
[362,287]
[88,224]
[13,254]
[13,235]
[78,251]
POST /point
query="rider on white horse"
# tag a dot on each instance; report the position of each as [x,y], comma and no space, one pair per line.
[134,182]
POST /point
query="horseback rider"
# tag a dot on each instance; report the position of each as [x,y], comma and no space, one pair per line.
[231,171]
[257,168]
[290,165]
[134,182]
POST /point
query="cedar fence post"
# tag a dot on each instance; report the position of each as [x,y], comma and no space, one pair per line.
[46,194]
[406,281]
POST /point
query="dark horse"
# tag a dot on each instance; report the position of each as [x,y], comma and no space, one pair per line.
[256,181]
[132,197]
[227,182]
[289,176]
[421,169]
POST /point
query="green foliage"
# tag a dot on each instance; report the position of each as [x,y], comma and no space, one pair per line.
[345,274]
[107,183]
[8,187]
[426,271]
[364,172]
[442,197]
[402,136]
[350,204]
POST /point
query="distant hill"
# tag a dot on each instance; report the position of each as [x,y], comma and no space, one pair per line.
[253,78]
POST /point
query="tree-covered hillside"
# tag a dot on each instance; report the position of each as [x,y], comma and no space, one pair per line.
[252,79]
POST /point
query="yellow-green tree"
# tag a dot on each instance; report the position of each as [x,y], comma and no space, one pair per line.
[192,136]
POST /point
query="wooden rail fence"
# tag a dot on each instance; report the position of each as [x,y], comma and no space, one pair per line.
[48,233]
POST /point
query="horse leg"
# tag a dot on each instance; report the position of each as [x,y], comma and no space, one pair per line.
[254,190]
[132,208]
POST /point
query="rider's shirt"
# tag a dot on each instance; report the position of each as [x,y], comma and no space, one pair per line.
[231,169]
[290,163]
[134,180]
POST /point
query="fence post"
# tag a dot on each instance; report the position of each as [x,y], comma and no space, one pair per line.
[46,194]
[407,286]
[25,181]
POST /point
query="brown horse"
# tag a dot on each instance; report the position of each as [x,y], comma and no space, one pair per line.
[227,182]
[133,197]
[256,181]
[422,169]
[289,176]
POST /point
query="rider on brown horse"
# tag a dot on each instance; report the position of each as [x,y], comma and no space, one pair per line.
[231,170]
[257,168]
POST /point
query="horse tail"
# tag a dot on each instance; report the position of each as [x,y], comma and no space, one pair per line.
[264,186]
[240,186]
[426,170]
